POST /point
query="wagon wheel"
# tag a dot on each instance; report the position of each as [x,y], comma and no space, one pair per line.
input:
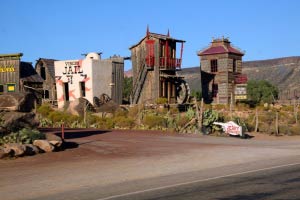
[104,98]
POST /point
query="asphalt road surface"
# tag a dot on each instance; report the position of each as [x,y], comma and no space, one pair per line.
[105,165]
[278,182]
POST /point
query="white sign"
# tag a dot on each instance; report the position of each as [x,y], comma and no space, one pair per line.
[230,128]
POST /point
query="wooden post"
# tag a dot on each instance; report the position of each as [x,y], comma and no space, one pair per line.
[276,124]
[296,111]
[256,120]
[201,115]
[63,130]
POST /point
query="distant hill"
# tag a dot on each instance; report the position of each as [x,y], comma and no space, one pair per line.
[282,72]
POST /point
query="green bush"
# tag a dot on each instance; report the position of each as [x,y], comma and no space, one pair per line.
[123,122]
[105,123]
[24,136]
[161,100]
[45,109]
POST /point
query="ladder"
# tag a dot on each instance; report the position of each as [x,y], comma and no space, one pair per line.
[138,86]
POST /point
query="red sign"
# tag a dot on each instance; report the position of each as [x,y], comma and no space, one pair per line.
[241,79]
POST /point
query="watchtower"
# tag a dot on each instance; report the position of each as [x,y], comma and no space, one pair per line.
[155,60]
[221,71]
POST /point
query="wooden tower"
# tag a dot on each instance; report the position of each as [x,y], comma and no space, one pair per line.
[221,70]
[155,60]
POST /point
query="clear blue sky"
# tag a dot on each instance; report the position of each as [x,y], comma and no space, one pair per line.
[64,29]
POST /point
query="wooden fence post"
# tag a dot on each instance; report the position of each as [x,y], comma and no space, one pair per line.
[256,120]
[276,124]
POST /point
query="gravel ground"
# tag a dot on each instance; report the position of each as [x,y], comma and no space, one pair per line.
[101,158]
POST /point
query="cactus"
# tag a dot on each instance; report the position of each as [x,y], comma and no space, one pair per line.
[211,116]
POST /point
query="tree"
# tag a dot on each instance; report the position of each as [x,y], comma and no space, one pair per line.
[261,91]
[127,87]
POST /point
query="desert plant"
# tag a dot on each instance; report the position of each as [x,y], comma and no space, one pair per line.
[123,122]
[211,116]
[161,100]
[24,136]
[154,121]
[44,109]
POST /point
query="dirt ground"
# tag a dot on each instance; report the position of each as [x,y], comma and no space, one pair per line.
[100,158]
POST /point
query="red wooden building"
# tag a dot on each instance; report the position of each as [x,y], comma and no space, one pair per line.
[155,60]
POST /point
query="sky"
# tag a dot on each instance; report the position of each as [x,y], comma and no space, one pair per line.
[65,29]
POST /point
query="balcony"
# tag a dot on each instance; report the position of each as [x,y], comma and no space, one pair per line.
[169,63]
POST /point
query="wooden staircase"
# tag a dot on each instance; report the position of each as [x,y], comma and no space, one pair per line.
[138,86]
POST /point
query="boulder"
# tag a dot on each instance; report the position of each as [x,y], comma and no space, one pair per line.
[18,149]
[31,149]
[23,102]
[15,121]
[55,140]
[44,145]
[4,152]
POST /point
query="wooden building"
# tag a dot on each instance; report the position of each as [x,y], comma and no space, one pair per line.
[155,60]
[17,76]
[221,72]
[45,68]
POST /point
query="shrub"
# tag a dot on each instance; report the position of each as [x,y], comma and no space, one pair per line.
[161,100]
[181,121]
[295,130]
[105,123]
[153,121]
[24,136]
[190,114]
[123,122]
[45,109]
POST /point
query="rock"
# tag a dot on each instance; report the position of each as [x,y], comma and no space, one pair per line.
[23,102]
[31,149]
[4,152]
[15,121]
[44,145]
[55,140]
[18,149]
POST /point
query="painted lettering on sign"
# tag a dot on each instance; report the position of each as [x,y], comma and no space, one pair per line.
[72,68]
[7,68]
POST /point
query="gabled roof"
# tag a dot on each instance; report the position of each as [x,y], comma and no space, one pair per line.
[219,47]
[157,36]
[49,63]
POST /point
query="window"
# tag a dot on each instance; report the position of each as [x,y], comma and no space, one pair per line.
[82,89]
[43,72]
[214,65]
[11,87]
[214,90]
[46,94]
[1,89]
[234,66]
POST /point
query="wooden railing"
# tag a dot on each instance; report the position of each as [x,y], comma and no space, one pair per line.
[169,63]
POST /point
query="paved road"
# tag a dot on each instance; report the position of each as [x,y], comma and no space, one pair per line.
[108,164]
[280,182]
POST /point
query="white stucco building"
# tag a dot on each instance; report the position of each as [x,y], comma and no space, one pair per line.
[88,78]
